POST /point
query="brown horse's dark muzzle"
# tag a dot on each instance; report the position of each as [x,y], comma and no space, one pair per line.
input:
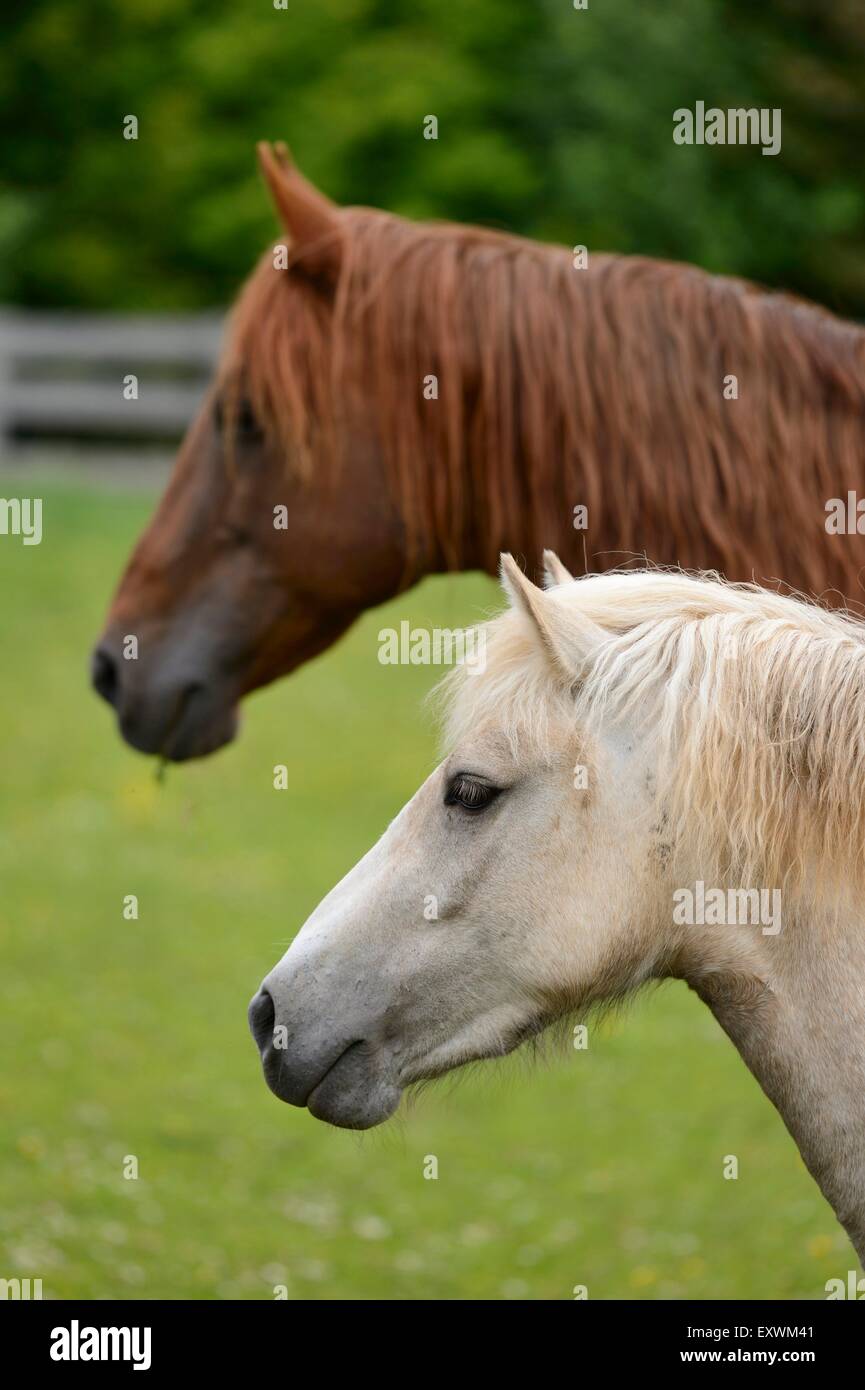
[173,711]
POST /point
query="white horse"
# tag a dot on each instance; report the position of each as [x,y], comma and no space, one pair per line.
[654,776]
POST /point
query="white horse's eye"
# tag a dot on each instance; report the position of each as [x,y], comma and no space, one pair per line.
[470,792]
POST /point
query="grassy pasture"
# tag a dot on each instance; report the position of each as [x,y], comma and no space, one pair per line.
[120,1038]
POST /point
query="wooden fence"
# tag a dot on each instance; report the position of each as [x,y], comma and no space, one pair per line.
[63,375]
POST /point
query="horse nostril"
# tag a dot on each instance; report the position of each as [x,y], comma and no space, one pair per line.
[103,673]
[189,692]
[261,1019]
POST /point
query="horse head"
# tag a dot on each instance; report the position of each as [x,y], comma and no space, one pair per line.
[259,555]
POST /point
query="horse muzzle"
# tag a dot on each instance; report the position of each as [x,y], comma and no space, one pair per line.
[184,714]
[340,1079]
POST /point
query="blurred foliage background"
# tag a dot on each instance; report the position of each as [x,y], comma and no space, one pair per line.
[553,122]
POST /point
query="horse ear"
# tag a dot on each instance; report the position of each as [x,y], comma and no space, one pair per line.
[310,219]
[568,637]
[554,571]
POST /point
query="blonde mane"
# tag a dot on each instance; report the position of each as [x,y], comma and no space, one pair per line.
[758,701]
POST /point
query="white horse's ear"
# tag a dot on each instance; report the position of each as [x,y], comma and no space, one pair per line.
[554,571]
[568,637]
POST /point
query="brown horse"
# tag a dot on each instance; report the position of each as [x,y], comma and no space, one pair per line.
[397,399]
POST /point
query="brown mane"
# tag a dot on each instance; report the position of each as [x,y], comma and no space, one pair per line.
[559,386]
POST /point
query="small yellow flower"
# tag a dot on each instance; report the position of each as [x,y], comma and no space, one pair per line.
[820,1246]
[137,800]
[31,1146]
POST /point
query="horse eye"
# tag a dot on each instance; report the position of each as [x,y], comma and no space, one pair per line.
[247,424]
[470,793]
[241,416]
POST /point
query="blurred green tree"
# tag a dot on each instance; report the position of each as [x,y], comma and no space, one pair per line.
[553,121]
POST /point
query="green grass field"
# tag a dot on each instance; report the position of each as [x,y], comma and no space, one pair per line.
[129,1038]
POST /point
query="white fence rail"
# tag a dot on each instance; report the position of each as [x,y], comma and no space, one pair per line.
[63,374]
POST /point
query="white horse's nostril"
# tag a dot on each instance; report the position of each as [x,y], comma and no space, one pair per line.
[261,1019]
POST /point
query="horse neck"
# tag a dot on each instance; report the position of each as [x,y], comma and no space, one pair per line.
[794,1006]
